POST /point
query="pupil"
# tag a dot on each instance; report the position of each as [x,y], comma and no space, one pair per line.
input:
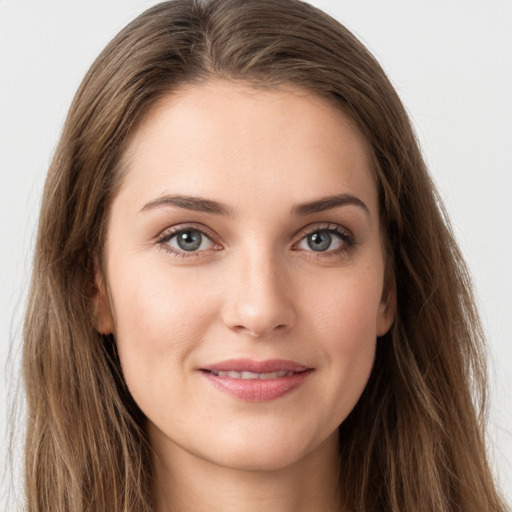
[189,240]
[319,241]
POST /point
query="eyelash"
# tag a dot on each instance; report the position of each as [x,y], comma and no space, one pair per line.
[347,239]
[164,239]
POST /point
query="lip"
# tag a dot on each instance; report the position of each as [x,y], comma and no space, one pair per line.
[250,365]
[256,389]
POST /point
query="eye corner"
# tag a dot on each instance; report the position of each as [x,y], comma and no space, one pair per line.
[199,241]
[333,234]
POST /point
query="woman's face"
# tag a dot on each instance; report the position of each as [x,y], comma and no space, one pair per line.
[245,274]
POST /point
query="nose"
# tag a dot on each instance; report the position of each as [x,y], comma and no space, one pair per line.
[258,297]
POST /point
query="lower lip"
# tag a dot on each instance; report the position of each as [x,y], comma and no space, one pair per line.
[258,390]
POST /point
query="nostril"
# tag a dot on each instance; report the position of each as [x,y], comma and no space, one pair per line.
[258,330]
[253,312]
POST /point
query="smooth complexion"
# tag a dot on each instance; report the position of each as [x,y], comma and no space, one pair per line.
[245,231]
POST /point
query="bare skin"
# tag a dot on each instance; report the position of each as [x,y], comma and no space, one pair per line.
[289,489]
[246,228]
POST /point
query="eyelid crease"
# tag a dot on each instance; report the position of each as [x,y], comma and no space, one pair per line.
[171,231]
[348,239]
[324,226]
[163,239]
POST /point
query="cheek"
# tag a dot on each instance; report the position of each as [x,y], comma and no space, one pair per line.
[346,307]
[343,317]
[350,343]
[159,316]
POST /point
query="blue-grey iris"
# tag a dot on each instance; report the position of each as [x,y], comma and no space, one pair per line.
[189,240]
[319,241]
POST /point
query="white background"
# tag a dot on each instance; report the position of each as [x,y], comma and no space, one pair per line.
[451,62]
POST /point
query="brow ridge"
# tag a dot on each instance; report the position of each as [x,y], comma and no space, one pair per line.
[198,204]
[328,203]
[214,207]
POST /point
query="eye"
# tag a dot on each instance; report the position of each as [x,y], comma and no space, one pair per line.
[325,240]
[186,240]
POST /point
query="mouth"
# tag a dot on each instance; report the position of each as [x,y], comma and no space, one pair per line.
[252,375]
[257,381]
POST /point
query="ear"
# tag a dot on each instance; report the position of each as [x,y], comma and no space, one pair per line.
[103,318]
[387,306]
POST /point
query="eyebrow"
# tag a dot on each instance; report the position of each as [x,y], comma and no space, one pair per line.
[200,204]
[328,203]
[197,204]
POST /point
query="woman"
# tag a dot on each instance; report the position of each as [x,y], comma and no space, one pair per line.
[245,292]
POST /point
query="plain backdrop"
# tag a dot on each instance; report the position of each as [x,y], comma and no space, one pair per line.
[451,62]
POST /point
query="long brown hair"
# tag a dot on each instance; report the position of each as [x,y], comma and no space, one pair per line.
[415,440]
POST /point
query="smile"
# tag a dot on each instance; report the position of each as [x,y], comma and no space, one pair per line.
[252,375]
[257,381]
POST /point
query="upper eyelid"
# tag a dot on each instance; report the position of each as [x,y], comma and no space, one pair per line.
[170,231]
[173,230]
[164,238]
[322,226]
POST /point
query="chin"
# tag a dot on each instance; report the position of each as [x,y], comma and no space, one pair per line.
[257,460]
[271,451]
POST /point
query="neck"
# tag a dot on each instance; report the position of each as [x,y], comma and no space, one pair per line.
[186,483]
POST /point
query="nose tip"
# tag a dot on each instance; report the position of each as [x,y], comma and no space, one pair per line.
[259,302]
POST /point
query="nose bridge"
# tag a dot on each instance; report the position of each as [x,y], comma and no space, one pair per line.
[258,298]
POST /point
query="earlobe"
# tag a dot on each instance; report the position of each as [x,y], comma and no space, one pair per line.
[387,309]
[102,312]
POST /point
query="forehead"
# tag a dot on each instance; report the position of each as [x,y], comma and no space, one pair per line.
[227,139]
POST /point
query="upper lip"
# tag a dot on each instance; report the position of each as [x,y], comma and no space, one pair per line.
[250,365]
